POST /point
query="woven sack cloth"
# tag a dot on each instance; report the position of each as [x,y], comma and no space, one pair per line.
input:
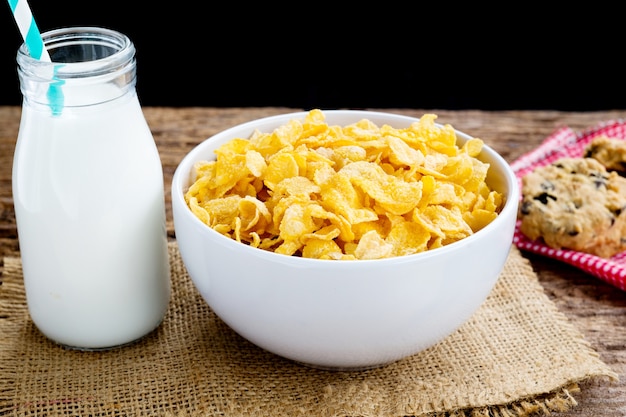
[517,356]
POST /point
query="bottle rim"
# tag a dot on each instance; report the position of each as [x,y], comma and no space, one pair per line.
[101,50]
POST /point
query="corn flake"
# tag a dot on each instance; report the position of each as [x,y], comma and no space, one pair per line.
[352,192]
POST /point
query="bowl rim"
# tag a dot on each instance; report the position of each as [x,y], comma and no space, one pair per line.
[181,177]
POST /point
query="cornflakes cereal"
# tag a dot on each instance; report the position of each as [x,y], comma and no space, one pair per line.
[354,192]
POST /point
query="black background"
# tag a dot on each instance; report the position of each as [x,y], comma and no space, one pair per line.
[307,55]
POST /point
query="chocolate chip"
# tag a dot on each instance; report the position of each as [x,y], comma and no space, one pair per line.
[547,186]
[543,198]
[526,207]
[599,180]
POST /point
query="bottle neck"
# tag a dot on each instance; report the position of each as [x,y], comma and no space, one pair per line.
[89,66]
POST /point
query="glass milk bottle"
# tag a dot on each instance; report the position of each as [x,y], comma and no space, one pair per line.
[88,194]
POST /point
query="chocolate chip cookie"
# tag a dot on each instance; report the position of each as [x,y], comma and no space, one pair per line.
[610,152]
[575,203]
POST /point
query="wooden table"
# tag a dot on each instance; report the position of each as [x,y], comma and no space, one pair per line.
[597,309]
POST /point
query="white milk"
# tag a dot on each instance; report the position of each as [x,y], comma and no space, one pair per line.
[89,202]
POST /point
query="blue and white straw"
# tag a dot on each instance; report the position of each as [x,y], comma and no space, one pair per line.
[28,28]
[32,38]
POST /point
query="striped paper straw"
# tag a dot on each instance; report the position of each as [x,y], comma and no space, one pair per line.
[28,28]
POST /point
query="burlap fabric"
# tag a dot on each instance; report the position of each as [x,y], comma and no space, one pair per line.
[517,356]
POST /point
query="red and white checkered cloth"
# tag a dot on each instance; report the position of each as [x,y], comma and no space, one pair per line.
[565,142]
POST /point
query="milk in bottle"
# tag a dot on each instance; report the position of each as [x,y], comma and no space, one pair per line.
[88,194]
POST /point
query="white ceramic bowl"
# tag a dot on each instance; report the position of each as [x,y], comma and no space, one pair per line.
[335,314]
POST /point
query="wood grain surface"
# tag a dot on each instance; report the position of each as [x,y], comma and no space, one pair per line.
[597,309]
